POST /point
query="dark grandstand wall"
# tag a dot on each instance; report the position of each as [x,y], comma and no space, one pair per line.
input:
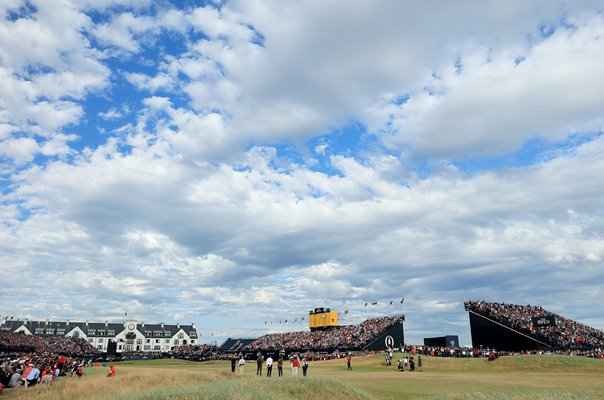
[442,341]
[394,335]
[488,334]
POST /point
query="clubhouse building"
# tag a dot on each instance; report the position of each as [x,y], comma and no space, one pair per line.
[129,336]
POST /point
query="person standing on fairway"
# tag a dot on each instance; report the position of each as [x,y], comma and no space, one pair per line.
[269,366]
[280,365]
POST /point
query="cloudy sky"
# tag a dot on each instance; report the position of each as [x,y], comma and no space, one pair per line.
[237,163]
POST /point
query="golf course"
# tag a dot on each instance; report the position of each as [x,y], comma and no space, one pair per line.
[513,377]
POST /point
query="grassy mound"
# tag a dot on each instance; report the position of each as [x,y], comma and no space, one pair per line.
[254,388]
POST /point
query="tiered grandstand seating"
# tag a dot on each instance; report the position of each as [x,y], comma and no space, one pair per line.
[350,337]
[234,345]
[18,342]
[565,334]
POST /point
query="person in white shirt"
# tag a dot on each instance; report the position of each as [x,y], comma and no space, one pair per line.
[269,366]
[241,364]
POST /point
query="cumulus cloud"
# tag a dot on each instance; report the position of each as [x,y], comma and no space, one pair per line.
[493,103]
[169,187]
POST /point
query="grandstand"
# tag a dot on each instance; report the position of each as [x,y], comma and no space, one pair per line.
[513,327]
[234,345]
[372,334]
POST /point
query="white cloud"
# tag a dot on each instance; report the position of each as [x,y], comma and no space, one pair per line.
[19,149]
[495,105]
[192,205]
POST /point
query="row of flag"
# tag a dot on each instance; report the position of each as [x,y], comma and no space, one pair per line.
[375,303]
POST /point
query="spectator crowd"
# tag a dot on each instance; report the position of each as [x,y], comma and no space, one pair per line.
[341,337]
[27,360]
[11,342]
[566,334]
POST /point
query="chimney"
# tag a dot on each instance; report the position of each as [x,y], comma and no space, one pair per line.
[142,324]
[46,322]
[106,323]
[193,325]
[86,322]
[68,321]
[162,325]
[178,325]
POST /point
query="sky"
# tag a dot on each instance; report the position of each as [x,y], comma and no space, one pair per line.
[238,163]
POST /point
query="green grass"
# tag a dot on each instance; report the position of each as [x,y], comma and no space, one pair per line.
[254,388]
[507,378]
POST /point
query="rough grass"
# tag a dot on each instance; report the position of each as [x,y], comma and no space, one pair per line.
[253,388]
[508,378]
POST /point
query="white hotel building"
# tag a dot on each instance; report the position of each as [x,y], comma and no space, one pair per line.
[126,337]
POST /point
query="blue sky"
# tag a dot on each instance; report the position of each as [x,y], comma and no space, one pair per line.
[235,162]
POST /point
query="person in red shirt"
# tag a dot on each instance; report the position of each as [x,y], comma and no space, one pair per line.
[111,372]
[348,361]
[295,365]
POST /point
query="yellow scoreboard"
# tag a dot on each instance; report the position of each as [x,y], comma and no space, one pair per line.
[320,318]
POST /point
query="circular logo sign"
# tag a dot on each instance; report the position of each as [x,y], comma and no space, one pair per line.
[131,327]
[452,343]
[389,342]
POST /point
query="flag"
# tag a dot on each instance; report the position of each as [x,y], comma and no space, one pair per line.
[374,303]
[365,304]
[390,302]
[345,312]
[402,300]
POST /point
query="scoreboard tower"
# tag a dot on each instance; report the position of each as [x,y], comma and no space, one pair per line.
[322,318]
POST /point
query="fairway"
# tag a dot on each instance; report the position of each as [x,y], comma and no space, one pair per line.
[518,377]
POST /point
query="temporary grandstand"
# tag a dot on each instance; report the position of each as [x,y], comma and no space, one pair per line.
[372,334]
[234,345]
[513,327]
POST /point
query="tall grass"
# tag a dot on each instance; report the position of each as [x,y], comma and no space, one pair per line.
[577,394]
[254,388]
[508,378]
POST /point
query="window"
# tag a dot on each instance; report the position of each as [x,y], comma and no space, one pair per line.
[90,340]
[156,347]
[156,340]
[167,341]
[184,341]
[147,347]
[100,340]
[60,331]
[192,341]
[91,332]
[100,347]
[181,335]
[148,341]
[76,334]
[111,332]
[139,341]
[176,341]
[121,347]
